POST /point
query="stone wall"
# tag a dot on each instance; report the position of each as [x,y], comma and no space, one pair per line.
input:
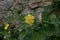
[28,5]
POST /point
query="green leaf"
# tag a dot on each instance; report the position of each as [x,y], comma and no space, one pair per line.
[57,30]
[37,36]
[49,30]
[22,35]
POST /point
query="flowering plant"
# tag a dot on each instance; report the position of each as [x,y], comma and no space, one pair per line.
[25,26]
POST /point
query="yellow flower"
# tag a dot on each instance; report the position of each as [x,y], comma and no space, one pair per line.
[29,19]
[6,26]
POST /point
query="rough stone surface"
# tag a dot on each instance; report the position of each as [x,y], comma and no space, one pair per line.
[35,3]
[1,0]
[7,5]
[38,13]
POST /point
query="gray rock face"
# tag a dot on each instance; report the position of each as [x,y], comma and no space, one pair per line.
[5,6]
[1,0]
[35,3]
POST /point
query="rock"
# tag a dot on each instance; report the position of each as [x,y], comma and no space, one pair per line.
[8,13]
[36,3]
[45,3]
[40,17]
[15,4]
[38,14]
[1,0]
[5,7]
[33,3]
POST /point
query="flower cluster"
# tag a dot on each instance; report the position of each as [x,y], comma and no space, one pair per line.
[29,19]
[6,26]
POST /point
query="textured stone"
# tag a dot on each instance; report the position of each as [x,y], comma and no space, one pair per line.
[38,13]
[35,3]
[1,0]
[5,7]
